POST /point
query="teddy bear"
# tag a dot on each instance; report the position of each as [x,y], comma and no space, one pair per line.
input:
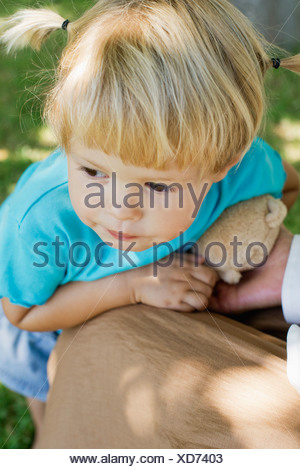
[242,237]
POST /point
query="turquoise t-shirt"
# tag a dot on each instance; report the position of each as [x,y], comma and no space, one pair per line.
[44,244]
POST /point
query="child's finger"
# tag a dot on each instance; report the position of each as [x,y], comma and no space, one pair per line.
[197,286]
[184,308]
[200,278]
[196,300]
[206,275]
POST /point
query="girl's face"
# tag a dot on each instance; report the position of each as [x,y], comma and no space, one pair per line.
[111,197]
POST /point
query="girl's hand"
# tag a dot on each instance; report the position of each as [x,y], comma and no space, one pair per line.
[187,288]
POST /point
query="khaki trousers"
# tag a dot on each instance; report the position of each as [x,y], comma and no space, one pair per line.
[143,377]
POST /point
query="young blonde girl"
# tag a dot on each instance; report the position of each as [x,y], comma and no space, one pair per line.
[153,93]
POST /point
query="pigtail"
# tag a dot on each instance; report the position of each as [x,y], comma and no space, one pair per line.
[29,27]
[289,63]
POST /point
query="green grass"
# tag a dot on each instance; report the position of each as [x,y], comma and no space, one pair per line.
[283,90]
[292,221]
[23,140]
[16,428]
[21,82]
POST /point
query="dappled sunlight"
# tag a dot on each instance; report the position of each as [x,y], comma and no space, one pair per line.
[250,397]
[140,395]
[52,366]
[289,132]
[11,187]
[45,137]
[3,154]
[187,373]
[28,153]
[252,406]
[292,152]
[130,375]
[172,405]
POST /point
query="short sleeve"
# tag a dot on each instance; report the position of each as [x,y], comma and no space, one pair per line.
[260,172]
[30,268]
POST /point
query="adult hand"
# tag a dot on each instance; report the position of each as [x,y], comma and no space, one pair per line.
[258,288]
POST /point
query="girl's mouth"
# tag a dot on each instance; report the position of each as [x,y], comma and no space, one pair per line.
[120,235]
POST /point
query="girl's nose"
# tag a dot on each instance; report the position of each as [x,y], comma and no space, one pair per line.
[126,205]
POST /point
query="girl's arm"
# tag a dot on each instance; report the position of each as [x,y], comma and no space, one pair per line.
[291,187]
[73,303]
[178,287]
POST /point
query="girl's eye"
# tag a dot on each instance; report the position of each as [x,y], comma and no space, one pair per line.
[93,172]
[160,187]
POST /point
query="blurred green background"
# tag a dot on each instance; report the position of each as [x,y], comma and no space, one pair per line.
[24,139]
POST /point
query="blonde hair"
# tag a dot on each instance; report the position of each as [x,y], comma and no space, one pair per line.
[153,81]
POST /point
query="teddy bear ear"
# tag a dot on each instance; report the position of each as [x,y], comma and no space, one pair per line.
[277,212]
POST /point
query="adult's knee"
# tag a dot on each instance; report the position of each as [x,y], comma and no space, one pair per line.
[77,347]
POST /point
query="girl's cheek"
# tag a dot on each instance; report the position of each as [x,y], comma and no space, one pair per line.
[78,196]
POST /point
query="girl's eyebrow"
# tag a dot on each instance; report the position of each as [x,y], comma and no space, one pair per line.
[86,161]
[92,163]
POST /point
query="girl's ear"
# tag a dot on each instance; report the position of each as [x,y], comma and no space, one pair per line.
[221,174]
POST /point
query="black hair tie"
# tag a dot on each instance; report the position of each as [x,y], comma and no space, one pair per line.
[65,25]
[276,63]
